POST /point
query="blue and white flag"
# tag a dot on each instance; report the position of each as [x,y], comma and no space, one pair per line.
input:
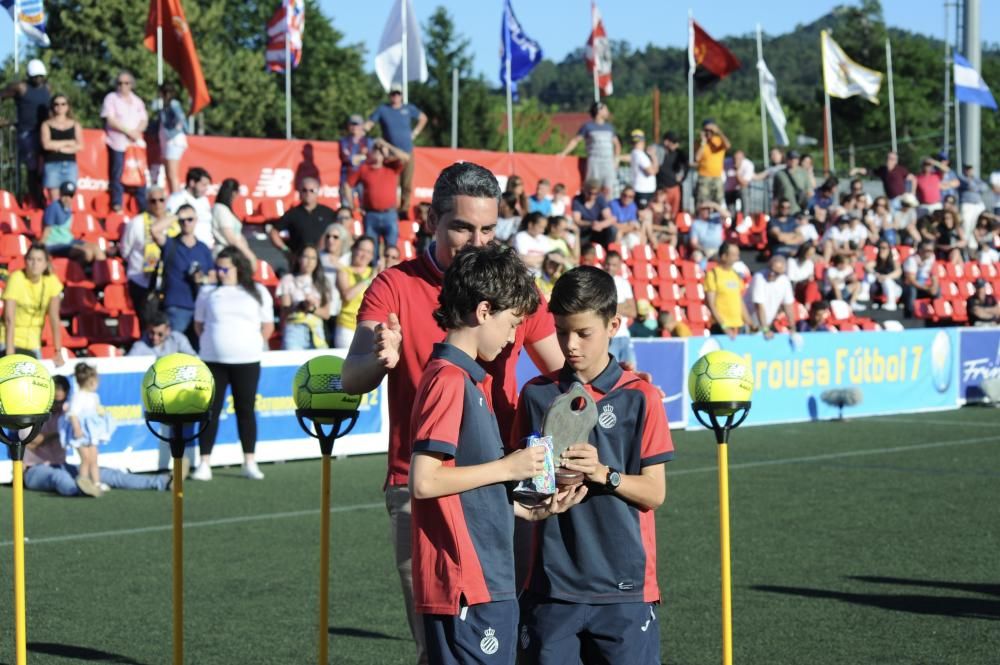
[31,21]
[523,51]
[970,87]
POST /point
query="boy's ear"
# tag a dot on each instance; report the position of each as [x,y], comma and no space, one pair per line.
[614,324]
[483,311]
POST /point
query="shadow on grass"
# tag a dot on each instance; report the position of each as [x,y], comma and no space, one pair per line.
[990,589]
[80,653]
[364,634]
[949,606]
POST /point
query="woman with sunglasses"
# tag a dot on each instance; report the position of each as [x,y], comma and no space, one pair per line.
[62,138]
[352,282]
[304,293]
[31,294]
[233,321]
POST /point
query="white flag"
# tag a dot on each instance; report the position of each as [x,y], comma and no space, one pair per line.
[389,60]
[769,97]
[845,78]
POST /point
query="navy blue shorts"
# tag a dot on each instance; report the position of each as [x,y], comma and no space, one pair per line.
[484,633]
[560,633]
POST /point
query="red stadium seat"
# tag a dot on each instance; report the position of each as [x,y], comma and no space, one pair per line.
[667,253]
[77,300]
[108,271]
[264,274]
[66,339]
[116,299]
[100,350]
[85,224]
[924,310]
[9,202]
[13,222]
[100,204]
[12,246]
[49,352]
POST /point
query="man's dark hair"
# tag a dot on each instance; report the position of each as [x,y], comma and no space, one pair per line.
[463,179]
[196,173]
[724,248]
[493,273]
[585,289]
[61,382]
[156,319]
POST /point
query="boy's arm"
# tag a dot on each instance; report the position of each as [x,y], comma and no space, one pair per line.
[647,489]
[559,502]
[430,478]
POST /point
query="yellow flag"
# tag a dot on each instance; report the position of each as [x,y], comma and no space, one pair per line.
[842,77]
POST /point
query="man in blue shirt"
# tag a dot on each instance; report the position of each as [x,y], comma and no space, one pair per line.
[782,231]
[707,230]
[541,200]
[187,263]
[603,149]
[354,149]
[396,122]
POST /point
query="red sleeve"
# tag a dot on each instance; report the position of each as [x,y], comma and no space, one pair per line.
[657,446]
[437,411]
[521,427]
[352,178]
[539,325]
[380,300]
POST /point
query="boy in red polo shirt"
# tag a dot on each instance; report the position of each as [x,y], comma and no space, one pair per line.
[463,515]
[379,175]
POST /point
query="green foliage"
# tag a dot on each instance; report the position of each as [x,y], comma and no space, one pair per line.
[533,130]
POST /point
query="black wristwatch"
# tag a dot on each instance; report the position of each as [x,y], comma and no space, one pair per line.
[614,480]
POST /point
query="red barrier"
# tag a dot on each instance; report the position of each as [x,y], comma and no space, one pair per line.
[269,168]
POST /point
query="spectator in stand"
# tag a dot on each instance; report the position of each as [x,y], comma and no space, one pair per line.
[858,191]
[660,207]
[949,179]
[515,187]
[61,139]
[806,162]
[771,292]
[982,234]
[58,234]
[603,150]
[982,307]
[928,184]
[905,220]
[195,194]
[894,177]
[236,302]
[304,296]
[31,294]
[971,191]
[709,158]
[31,98]
[949,234]
[670,326]
[919,279]
[807,230]
[707,229]
[352,282]
[792,183]
[304,224]
[643,169]
[553,267]
[802,266]
[227,229]
[140,247]
[825,196]
[739,175]
[673,164]
[561,202]
[379,175]
[172,133]
[783,235]
[841,238]
[396,121]
[332,257]
[391,257]
[508,221]
[125,121]
[621,346]
[354,149]
[531,243]
[562,238]
[159,340]
[840,282]
[883,222]
[186,265]
[883,273]
[724,294]
[541,200]
[592,215]
[630,231]
[667,234]
[819,319]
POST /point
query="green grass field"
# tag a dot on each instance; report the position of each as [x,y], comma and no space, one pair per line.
[871,541]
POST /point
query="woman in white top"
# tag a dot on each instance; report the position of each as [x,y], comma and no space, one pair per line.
[531,242]
[304,293]
[233,321]
[227,229]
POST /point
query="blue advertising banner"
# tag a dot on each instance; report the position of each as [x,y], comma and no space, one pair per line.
[895,372]
[980,354]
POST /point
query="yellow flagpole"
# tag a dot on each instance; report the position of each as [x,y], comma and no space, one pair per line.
[727,602]
[324,564]
[178,587]
[20,621]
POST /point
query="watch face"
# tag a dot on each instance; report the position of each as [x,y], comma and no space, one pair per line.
[614,479]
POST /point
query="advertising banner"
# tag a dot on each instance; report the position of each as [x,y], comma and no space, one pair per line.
[980,353]
[279,436]
[892,372]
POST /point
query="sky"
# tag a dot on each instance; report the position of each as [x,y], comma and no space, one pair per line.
[561,26]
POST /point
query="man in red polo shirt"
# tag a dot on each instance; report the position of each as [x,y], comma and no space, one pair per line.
[378,175]
[396,335]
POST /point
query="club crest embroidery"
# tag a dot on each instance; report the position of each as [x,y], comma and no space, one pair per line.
[607,419]
[489,644]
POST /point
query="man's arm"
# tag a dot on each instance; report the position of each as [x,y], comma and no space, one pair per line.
[617,147]
[374,351]
[400,155]
[573,142]
[546,355]
[421,123]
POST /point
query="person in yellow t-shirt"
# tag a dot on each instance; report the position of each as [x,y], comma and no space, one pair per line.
[30,295]
[710,158]
[724,293]
[352,282]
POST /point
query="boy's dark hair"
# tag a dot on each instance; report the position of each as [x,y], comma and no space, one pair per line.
[585,289]
[493,273]
[84,372]
[61,383]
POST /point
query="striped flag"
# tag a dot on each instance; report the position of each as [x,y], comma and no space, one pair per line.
[599,52]
[31,21]
[289,20]
[970,87]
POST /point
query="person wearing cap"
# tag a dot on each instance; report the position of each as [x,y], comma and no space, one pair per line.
[396,121]
[603,149]
[710,158]
[982,306]
[31,97]
[739,172]
[791,183]
[58,235]
[354,148]
[61,139]
[673,164]
[643,168]
[125,120]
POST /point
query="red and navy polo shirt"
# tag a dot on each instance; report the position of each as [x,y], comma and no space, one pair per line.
[410,290]
[462,543]
[604,550]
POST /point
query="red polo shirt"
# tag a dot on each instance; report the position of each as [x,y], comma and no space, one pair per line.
[380,185]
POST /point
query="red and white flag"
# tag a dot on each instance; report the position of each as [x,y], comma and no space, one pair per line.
[290,20]
[599,52]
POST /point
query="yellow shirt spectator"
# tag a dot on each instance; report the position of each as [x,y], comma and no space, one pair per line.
[712,158]
[31,304]
[728,288]
[348,317]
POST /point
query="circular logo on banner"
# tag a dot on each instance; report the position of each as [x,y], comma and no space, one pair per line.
[941,361]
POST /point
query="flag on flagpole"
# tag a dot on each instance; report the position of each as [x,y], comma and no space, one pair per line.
[712,61]
[845,78]
[178,48]
[524,51]
[389,59]
[31,21]
[769,97]
[970,87]
[289,19]
[599,52]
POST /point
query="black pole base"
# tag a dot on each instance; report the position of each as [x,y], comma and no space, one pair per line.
[340,422]
[10,431]
[176,437]
[729,411]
